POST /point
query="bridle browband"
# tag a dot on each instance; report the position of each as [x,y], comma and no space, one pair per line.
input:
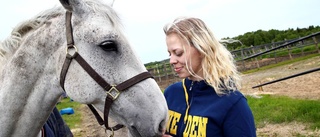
[112,91]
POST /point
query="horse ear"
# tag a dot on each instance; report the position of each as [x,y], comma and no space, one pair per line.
[110,2]
[66,4]
[75,6]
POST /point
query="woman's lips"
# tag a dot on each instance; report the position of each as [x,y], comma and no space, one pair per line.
[177,69]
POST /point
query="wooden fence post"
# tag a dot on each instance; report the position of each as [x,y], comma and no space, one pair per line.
[158,72]
[302,51]
[274,52]
[165,70]
[242,57]
[316,43]
[256,58]
[289,50]
[301,46]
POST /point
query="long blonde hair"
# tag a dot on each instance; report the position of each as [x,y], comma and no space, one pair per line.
[218,65]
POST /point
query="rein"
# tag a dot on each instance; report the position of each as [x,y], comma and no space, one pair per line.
[112,91]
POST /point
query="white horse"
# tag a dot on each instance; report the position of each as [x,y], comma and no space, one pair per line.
[41,60]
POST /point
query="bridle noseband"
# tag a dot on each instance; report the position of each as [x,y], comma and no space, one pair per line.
[112,91]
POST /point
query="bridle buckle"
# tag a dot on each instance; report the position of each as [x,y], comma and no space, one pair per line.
[113,92]
[70,48]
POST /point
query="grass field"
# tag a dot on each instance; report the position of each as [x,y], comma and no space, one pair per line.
[282,109]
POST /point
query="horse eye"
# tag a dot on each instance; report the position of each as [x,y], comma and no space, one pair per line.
[108,45]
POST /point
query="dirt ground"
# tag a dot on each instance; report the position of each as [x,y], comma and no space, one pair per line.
[304,87]
[91,128]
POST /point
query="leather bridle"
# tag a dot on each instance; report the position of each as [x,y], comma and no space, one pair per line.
[112,91]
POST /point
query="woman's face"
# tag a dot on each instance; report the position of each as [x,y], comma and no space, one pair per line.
[178,57]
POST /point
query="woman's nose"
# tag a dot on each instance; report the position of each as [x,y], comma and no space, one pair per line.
[173,60]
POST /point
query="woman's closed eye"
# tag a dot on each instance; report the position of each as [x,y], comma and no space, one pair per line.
[178,54]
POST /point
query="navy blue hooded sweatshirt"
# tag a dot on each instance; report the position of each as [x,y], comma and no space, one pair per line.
[195,110]
[55,126]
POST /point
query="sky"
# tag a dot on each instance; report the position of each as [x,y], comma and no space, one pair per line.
[143,20]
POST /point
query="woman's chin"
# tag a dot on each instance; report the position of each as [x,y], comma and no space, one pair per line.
[181,75]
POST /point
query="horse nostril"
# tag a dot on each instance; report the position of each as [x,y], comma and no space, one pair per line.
[134,128]
[135,131]
[162,126]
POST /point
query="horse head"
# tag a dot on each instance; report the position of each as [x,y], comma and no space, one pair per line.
[92,31]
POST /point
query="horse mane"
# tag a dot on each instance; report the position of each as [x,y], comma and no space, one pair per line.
[12,43]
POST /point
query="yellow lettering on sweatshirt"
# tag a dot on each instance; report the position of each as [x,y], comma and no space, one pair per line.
[172,126]
[196,126]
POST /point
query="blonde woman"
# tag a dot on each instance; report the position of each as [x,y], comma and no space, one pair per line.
[207,102]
